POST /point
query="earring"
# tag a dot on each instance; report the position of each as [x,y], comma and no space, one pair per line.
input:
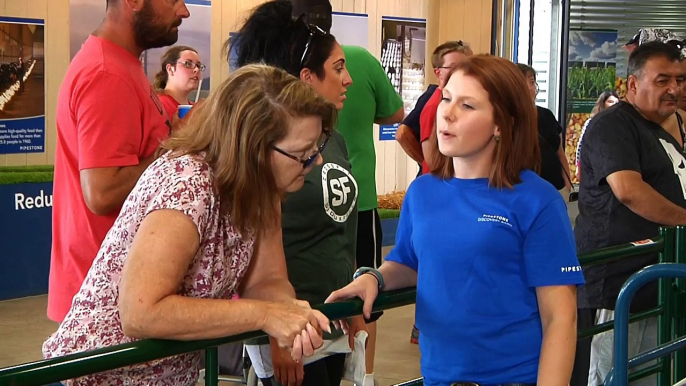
[496,138]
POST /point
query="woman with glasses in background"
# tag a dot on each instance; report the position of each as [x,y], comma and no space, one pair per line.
[606,100]
[319,221]
[179,76]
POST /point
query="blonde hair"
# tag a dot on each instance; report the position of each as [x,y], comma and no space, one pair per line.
[235,130]
[446,48]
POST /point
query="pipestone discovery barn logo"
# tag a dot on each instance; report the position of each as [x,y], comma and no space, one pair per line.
[340,191]
[494,218]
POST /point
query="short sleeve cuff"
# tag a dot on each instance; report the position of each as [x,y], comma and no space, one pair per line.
[123,161]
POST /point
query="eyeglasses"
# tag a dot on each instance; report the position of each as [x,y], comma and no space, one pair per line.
[313,30]
[191,65]
[307,162]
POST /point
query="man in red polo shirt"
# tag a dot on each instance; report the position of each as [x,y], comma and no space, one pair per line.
[109,124]
[445,57]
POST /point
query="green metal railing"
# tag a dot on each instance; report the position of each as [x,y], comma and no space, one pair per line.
[81,364]
[671,313]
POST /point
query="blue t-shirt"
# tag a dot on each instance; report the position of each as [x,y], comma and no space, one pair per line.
[480,252]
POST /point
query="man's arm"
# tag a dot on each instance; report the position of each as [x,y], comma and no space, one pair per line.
[409,143]
[106,189]
[630,189]
[110,138]
[397,117]
[429,151]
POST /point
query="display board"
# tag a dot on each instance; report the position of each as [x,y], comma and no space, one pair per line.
[351,29]
[22,85]
[592,71]
[403,54]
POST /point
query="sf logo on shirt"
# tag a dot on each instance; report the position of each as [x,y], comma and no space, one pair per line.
[340,191]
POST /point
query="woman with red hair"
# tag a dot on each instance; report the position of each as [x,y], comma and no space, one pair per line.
[487,242]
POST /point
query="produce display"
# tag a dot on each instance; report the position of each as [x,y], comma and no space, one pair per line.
[577,120]
[574,127]
[392,200]
[620,87]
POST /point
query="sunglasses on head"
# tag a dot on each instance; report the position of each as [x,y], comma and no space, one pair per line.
[313,30]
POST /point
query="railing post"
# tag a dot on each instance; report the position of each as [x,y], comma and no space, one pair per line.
[619,375]
[679,305]
[664,320]
[212,366]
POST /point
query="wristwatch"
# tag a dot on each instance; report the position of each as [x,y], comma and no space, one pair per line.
[370,271]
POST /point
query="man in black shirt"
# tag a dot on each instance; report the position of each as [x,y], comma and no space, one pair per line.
[634,182]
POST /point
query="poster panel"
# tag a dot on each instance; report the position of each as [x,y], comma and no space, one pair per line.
[403,52]
[351,29]
[22,85]
[592,71]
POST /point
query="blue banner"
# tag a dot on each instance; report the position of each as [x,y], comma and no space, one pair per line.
[25,239]
[387,132]
[22,135]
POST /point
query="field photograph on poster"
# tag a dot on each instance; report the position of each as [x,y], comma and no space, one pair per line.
[403,53]
[592,71]
[22,86]
[193,32]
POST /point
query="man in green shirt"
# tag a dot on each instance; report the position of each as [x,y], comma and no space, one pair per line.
[371,99]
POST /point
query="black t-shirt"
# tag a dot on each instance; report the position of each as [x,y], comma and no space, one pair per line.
[549,131]
[617,139]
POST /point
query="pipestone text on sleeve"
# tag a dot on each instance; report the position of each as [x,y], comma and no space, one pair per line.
[576,268]
[41,201]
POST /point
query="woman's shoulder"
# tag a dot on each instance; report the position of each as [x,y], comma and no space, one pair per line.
[535,189]
[170,169]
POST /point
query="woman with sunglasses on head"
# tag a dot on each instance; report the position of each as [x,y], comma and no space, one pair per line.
[319,221]
[487,243]
[203,224]
[179,76]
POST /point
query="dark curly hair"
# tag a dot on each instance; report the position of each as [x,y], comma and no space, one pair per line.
[272,36]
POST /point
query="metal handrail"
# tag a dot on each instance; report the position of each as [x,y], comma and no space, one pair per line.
[109,358]
[620,374]
[81,364]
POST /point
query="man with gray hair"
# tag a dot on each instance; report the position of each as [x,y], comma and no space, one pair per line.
[634,182]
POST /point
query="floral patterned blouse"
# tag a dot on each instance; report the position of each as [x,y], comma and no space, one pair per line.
[184,184]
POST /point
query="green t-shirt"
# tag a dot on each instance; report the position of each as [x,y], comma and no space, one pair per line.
[371,96]
[319,224]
